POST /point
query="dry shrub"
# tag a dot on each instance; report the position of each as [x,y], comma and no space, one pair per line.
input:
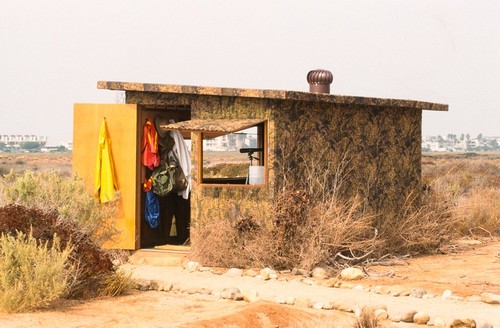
[367,319]
[68,196]
[418,230]
[33,274]
[478,214]
[471,188]
[93,263]
[225,245]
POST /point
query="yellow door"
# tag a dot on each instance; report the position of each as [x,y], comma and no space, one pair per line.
[122,123]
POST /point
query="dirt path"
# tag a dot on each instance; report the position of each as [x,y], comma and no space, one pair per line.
[469,271]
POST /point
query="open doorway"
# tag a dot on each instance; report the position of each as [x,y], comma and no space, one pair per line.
[174,210]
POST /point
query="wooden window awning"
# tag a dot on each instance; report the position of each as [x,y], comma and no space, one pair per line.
[213,127]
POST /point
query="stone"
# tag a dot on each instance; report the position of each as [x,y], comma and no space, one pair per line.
[290,300]
[490,298]
[346,285]
[191,291]
[446,294]
[300,272]
[319,273]
[473,298]
[154,285]
[273,276]
[352,274]
[230,293]
[418,292]
[429,296]
[330,282]
[266,273]
[328,306]
[421,318]
[358,287]
[192,266]
[381,314]
[408,316]
[463,323]
[307,281]
[251,296]
[439,322]
[234,272]
[383,290]
[205,291]
[280,300]
[318,305]
[250,273]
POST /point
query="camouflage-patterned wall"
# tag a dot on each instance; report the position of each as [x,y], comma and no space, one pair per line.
[376,149]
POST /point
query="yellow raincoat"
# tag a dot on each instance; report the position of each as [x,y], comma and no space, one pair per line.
[104,179]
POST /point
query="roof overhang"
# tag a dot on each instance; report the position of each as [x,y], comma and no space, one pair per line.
[213,127]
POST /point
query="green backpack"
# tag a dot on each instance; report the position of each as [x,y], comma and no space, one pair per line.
[162,180]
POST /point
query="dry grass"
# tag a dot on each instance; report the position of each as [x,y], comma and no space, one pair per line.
[33,274]
[471,188]
[315,226]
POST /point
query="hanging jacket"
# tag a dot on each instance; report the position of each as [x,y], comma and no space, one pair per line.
[104,177]
[150,156]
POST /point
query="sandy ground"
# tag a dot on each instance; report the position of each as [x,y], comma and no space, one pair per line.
[468,270]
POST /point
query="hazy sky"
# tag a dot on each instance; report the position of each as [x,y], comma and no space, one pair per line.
[53,52]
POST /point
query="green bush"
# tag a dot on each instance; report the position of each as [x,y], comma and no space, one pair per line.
[33,274]
[68,196]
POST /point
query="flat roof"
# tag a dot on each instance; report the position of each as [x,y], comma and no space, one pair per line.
[269,94]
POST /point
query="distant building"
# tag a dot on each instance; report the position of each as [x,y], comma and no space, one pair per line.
[16,141]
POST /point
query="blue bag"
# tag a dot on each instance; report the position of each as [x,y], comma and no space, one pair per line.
[152,210]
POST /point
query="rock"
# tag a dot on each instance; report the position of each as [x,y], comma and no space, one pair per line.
[358,287]
[300,272]
[473,298]
[154,285]
[330,283]
[290,300]
[234,272]
[143,285]
[318,305]
[319,273]
[192,266]
[485,325]
[418,292]
[205,291]
[463,323]
[230,293]
[273,276]
[328,306]
[250,273]
[408,316]
[428,296]
[307,281]
[191,291]
[446,294]
[346,285]
[490,298]
[383,290]
[165,286]
[266,273]
[251,296]
[352,274]
[439,322]
[343,307]
[381,314]
[421,318]
[280,300]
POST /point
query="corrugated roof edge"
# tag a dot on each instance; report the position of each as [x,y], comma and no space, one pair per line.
[270,94]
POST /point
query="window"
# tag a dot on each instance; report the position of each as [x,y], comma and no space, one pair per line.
[231,151]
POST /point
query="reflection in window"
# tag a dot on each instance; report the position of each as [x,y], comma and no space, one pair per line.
[226,158]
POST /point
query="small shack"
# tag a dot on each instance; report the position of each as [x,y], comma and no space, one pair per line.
[274,135]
